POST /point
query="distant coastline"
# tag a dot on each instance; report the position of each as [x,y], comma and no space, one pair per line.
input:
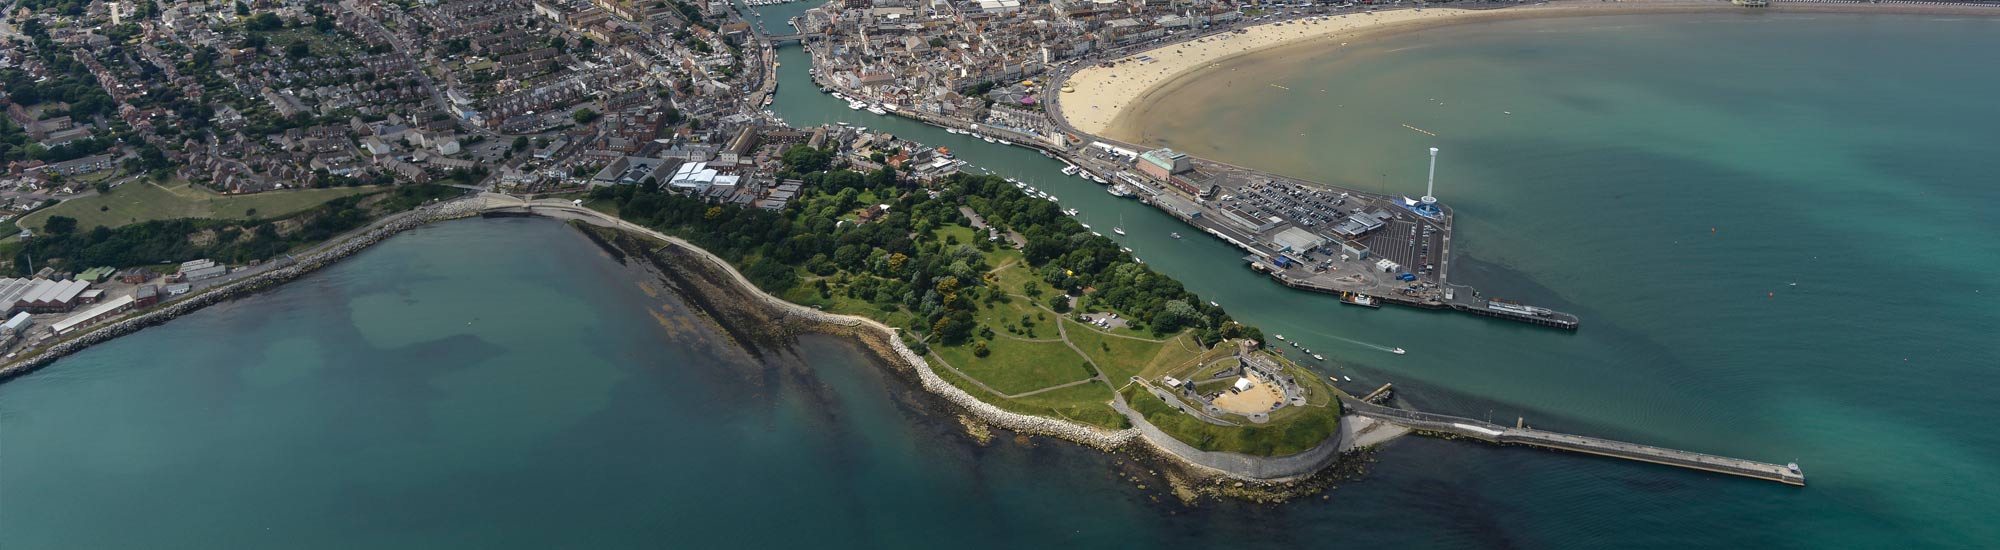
[1105,105]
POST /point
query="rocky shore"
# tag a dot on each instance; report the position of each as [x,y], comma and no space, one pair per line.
[325,256]
[754,319]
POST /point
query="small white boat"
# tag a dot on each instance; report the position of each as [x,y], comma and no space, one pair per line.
[1070,170]
[1118,230]
[1317,356]
[856,105]
[1281,337]
[988,139]
[1052,198]
[1070,212]
[1005,142]
[1096,233]
[877,110]
[1397,351]
[1295,344]
[841,123]
[1212,303]
[1019,185]
[1175,234]
[1085,225]
[1344,377]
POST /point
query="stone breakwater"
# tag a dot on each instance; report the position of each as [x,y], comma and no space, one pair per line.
[327,255]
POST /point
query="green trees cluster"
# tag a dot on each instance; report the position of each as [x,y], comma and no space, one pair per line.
[894,262]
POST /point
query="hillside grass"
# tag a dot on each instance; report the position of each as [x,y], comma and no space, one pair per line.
[141,201]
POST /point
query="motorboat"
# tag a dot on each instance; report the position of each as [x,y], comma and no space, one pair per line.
[1070,170]
[1281,337]
[1317,356]
[1175,234]
[856,105]
[877,111]
[1397,351]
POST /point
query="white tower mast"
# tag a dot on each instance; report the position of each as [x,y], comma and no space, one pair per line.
[1430,197]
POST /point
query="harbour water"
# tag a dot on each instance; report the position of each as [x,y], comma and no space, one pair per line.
[499,383]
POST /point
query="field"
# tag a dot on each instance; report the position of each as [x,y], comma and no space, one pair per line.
[140,201]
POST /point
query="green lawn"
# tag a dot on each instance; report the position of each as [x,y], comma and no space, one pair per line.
[1087,403]
[1123,358]
[1017,366]
[1290,434]
[140,201]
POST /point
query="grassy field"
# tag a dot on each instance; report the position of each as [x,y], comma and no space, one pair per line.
[1017,366]
[1087,403]
[140,201]
[1123,358]
[1293,433]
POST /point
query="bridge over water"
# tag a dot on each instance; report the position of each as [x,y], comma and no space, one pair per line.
[1486,431]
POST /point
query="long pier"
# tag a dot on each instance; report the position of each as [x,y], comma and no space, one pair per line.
[1788,474]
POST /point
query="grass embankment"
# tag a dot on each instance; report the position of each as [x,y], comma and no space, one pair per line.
[1291,429]
[141,201]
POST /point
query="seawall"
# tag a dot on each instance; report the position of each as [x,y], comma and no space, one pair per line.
[327,255]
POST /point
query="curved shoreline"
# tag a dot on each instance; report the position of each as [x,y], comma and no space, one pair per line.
[1281,475]
[1110,102]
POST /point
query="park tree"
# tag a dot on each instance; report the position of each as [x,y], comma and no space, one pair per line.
[1059,303]
[60,225]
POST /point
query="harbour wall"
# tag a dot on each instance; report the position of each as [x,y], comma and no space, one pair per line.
[327,255]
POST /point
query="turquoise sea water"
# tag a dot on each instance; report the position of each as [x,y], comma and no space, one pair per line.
[498,383]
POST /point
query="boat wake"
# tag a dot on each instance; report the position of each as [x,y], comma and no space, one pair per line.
[1395,350]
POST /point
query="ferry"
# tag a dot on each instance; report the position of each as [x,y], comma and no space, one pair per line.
[1070,170]
[1397,351]
[1363,300]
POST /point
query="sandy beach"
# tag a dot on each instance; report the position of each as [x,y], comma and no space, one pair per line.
[1100,95]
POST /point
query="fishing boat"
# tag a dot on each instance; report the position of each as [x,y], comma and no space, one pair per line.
[1175,234]
[1397,351]
[1119,190]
